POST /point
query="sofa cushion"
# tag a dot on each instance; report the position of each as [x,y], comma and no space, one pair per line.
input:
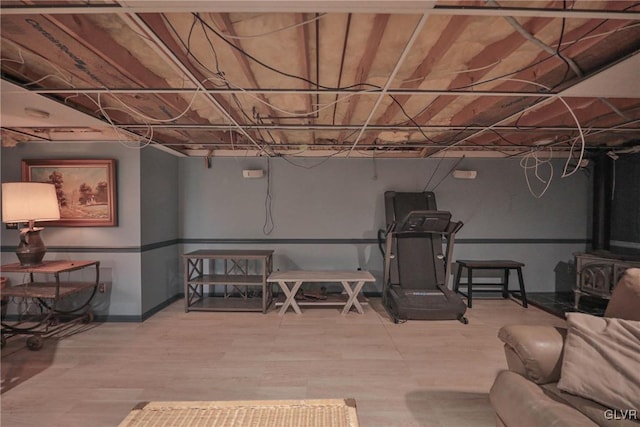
[520,402]
[601,361]
[601,415]
[625,300]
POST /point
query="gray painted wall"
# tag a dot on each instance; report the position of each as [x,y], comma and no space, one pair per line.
[128,188]
[120,269]
[343,198]
[163,198]
[159,196]
[159,223]
[161,277]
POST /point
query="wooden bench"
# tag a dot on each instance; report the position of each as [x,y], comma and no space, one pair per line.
[291,281]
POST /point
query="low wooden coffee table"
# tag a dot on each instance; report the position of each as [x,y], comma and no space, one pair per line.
[291,281]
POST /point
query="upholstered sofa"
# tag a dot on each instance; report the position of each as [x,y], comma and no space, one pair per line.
[552,371]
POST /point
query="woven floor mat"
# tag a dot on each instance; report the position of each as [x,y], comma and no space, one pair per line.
[245,413]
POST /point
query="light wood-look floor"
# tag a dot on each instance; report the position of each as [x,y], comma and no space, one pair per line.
[420,373]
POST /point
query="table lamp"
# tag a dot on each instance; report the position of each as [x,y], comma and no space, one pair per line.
[29,202]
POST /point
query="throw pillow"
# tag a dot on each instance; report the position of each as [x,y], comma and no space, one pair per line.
[601,361]
[625,300]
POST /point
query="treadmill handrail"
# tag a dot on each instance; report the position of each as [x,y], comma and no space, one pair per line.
[401,234]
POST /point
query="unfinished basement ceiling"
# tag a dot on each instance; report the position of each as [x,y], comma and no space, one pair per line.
[358,78]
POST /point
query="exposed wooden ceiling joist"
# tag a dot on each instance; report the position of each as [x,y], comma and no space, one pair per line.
[409,79]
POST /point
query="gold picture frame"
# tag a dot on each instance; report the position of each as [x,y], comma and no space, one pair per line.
[86,189]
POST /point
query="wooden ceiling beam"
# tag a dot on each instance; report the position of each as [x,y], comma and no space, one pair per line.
[224,23]
[364,67]
[156,24]
[556,112]
[456,26]
[489,55]
[628,107]
[305,65]
[494,110]
[61,51]
[105,47]
[452,31]
[303,55]
[542,72]
[588,110]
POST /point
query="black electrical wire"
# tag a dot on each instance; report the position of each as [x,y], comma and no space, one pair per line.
[217,72]
[235,98]
[411,119]
[275,70]
[213,50]
[314,165]
[559,52]
[604,21]
[433,173]
[233,45]
[269,225]
[562,57]
[544,59]
[187,47]
[197,16]
[261,122]
[502,137]
[361,84]
[344,50]
[448,173]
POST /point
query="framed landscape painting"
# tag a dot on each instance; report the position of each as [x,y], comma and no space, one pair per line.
[85,188]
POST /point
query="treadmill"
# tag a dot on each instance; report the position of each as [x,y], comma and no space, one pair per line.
[417,263]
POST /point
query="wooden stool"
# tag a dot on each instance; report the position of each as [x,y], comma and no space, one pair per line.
[505,265]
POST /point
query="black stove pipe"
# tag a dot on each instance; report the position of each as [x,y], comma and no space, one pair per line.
[602,195]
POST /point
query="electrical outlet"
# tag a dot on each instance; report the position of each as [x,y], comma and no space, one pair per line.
[101,288]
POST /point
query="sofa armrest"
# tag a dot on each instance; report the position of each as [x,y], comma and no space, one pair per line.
[534,352]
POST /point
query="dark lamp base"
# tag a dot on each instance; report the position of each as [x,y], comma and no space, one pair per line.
[31,249]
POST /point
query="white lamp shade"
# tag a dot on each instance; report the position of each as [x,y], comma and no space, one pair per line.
[29,201]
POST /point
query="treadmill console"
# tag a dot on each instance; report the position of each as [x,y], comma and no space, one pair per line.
[425,221]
